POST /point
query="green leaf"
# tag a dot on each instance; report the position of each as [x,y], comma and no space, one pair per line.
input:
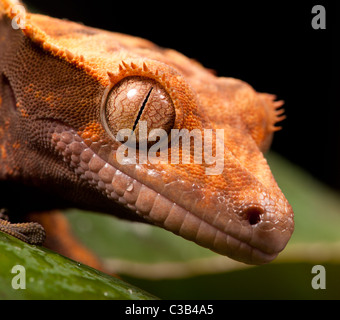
[47,275]
[290,280]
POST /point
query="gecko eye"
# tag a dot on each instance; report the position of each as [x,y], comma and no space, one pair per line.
[137,99]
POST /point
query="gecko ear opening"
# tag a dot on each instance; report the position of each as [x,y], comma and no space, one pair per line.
[138,103]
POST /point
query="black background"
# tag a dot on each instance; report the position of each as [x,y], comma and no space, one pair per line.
[269,44]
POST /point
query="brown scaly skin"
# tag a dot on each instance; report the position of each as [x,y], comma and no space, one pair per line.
[30,232]
[58,78]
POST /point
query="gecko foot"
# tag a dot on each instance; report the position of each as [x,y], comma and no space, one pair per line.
[29,232]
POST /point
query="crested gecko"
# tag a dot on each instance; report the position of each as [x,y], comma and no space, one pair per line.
[67,91]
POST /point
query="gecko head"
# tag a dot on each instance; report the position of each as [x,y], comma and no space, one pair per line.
[216,190]
[223,198]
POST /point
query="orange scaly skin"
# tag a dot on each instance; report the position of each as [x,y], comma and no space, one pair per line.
[63,97]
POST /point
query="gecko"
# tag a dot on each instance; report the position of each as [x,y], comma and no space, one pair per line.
[67,90]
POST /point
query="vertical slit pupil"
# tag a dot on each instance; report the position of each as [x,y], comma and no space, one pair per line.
[142,109]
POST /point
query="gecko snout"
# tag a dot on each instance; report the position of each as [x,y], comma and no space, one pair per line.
[272,227]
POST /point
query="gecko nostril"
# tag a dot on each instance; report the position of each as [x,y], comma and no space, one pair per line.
[253,215]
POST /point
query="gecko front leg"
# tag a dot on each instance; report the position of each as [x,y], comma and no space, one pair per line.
[29,232]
